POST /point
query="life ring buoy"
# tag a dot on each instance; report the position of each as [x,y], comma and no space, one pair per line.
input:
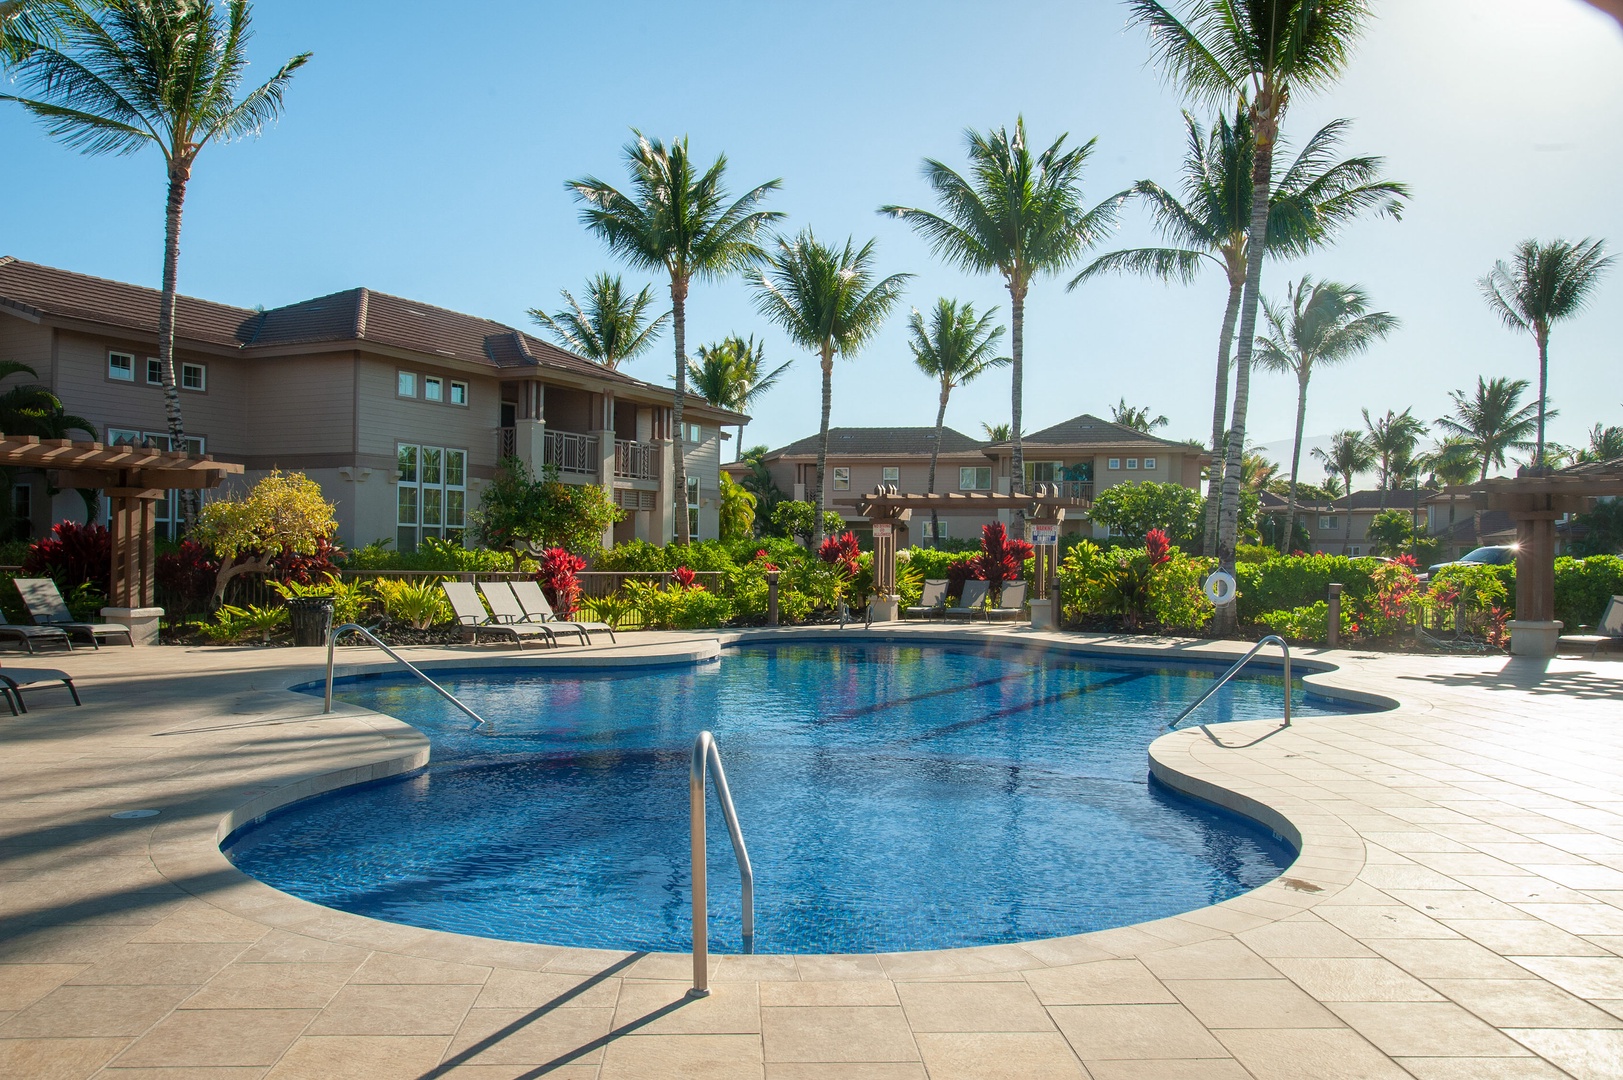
[1219,588]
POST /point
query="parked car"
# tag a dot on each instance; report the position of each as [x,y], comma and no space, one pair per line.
[1494,555]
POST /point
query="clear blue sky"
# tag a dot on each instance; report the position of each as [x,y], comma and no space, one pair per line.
[425,155]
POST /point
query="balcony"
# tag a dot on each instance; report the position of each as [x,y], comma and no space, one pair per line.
[571,452]
[636,460]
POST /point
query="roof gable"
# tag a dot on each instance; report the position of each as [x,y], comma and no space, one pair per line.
[882,442]
[1088,430]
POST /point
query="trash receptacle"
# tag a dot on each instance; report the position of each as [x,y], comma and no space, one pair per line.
[311,619]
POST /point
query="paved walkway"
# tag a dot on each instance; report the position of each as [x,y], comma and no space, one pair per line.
[1457,911]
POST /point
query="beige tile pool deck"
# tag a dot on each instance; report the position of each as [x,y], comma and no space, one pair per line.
[1456,912]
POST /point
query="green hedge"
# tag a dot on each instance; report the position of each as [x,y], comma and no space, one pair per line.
[1286,583]
[1582,587]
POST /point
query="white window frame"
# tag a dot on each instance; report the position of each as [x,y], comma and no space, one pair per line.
[693,507]
[202,378]
[941,529]
[1132,463]
[842,478]
[124,372]
[1031,467]
[975,472]
[1327,522]
[1114,463]
[154,371]
[890,474]
[443,496]
[405,384]
[458,394]
[1149,463]
[433,388]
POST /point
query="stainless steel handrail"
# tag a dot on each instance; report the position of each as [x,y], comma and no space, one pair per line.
[705,755]
[353,628]
[1230,673]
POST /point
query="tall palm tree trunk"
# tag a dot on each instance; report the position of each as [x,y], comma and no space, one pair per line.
[178,176]
[935,452]
[679,475]
[1296,463]
[1228,517]
[821,502]
[1346,482]
[1017,327]
[1543,390]
[1220,404]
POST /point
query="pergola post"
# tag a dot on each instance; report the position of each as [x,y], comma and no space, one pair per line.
[1534,630]
[1045,520]
[887,522]
[133,513]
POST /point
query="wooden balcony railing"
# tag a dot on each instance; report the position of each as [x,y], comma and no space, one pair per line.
[636,460]
[571,452]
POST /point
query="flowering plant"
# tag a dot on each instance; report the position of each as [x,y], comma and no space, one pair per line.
[685,578]
[559,578]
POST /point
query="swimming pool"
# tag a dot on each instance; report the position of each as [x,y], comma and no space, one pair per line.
[893,797]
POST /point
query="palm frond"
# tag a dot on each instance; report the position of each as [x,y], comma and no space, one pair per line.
[1164,264]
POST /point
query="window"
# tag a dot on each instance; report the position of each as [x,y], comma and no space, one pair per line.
[692,433]
[22,512]
[842,478]
[693,506]
[432,496]
[154,371]
[166,512]
[975,478]
[924,530]
[406,384]
[1115,463]
[1326,522]
[194,377]
[1043,472]
[1149,463]
[433,389]
[890,474]
[1355,551]
[1132,463]
[121,366]
[459,393]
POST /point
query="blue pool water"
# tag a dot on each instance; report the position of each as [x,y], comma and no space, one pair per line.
[893,797]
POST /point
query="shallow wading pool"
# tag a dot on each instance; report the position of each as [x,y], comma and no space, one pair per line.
[893,797]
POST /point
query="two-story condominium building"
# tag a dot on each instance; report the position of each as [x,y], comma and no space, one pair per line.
[1084,454]
[400,410]
[1341,527]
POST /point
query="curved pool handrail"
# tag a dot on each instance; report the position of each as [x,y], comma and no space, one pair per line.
[707,757]
[355,628]
[1274,639]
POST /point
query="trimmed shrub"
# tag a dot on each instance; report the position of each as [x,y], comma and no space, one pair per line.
[1287,582]
[1583,586]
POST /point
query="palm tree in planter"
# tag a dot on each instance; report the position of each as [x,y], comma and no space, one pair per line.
[1349,454]
[954,348]
[729,376]
[1326,323]
[1493,422]
[1017,214]
[828,301]
[1261,52]
[610,328]
[1543,284]
[1393,437]
[118,75]
[676,219]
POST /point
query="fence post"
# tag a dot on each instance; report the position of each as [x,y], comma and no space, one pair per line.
[772,597]
[1332,632]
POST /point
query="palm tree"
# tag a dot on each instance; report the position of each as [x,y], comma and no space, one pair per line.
[1451,463]
[124,73]
[995,432]
[1349,455]
[31,409]
[1328,323]
[954,349]
[728,375]
[1543,284]
[25,21]
[1262,52]
[677,220]
[826,299]
[1017,214]
[1209,226]
[610,329]
[1491,423]
[1605,444]
[1257,470]
[1136,417]
[1393,437]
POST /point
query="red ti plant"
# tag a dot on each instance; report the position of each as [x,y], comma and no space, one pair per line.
[685,578]
[1158,546]
[1002,558]
[766,564]
[73,554]
[842,553]
[560,580]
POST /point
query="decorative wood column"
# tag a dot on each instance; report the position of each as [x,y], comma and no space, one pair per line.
[134,518]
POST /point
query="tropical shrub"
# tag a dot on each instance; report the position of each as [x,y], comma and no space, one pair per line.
[1002,558]
[1390,532]
[232,623]
[1310,623]
[632,556]
[1289,582]
[350,598]
[933,563]
[1134,509]
[282,514]
[1398,598]
[1468,596]
[1583,586]
[518,509]
[1155,583]
[737,511]
[798,521]
[678,607]
[418,604]
[1254,553]
[73,555]
[614,610]
[434,554]
[842,553]
[1604,535]
[560,580]
[185,576]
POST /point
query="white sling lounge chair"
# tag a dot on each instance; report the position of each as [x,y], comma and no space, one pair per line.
[507,611]
[13,681]
[1609,631]
[471,614]
[34,635]
[970,603]
[1010,603]
[931,602]
[47,608]
[535,605]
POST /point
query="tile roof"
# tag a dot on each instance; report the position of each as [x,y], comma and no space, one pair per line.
[1089,430]
[341,318]
[881,442]
[1395,499]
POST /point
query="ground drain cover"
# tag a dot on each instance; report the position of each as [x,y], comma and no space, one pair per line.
[125,815]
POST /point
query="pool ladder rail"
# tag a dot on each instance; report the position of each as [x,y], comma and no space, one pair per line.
[1271,639]
[707,759]
[355,628]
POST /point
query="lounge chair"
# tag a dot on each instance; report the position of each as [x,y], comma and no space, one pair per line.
[13,681]
[471,614]
[535,605]
[1010,603]
[1609,632]
[47,608]
[931,602]
[35,635]
[970,603]
[507,611]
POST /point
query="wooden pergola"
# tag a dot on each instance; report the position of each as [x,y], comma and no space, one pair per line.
[134,477]
[1535,502]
